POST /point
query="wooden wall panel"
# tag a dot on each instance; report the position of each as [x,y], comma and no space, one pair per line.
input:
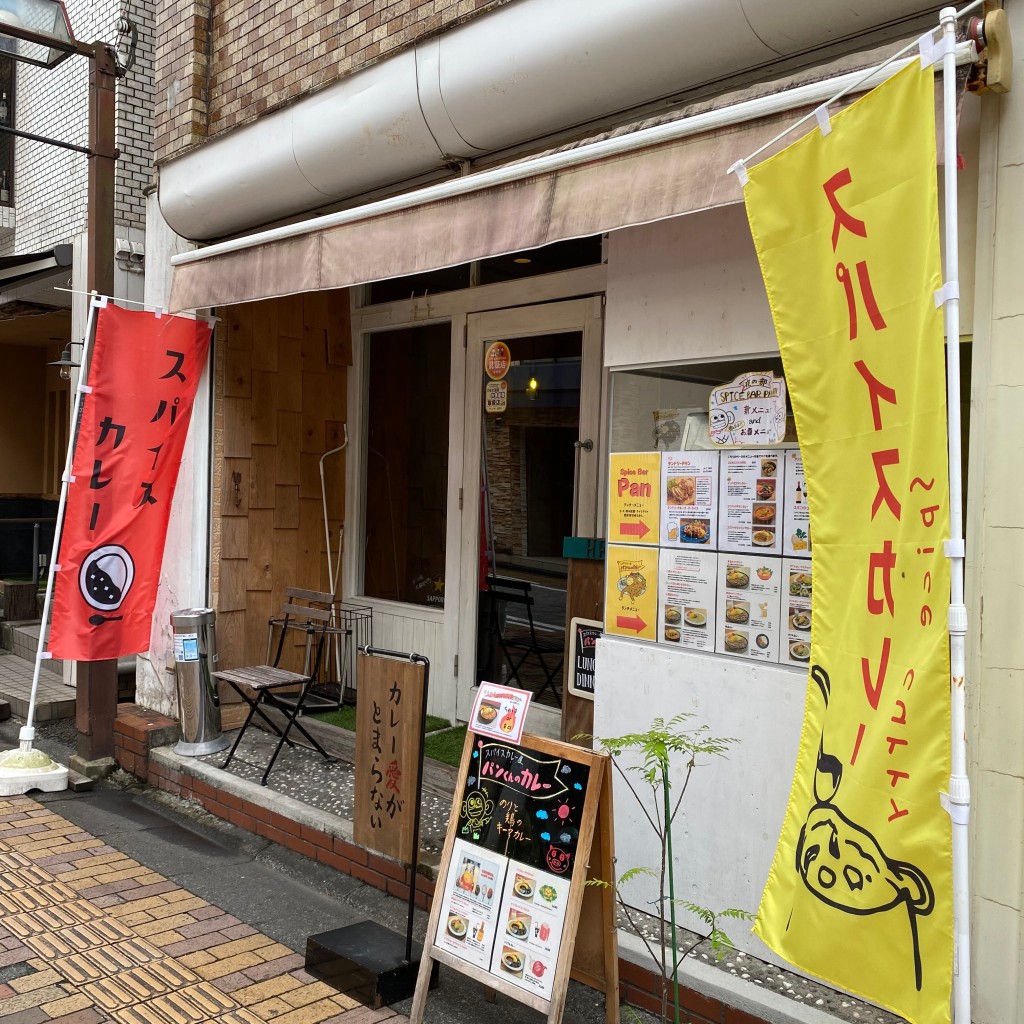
[234,586]
[314,350]
[265,336]
[234,537]
[281,402]
[289,432]
[261,549]
[237,428]
[259,608]
[263,467]
[286,507]
[264,407]
[289,376]
[238,373]
[290,316]
[339,329]
[238,327]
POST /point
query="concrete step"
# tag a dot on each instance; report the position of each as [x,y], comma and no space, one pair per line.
[53,700]
[22,640]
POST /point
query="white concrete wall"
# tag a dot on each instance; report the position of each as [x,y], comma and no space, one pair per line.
[995,560]
[685,289]
[183,575]
[726,832]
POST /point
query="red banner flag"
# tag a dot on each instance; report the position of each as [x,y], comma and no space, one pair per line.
[143,377]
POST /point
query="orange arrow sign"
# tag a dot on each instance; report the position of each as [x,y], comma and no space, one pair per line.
[633,622]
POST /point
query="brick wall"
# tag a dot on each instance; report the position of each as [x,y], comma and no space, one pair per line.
[223,67]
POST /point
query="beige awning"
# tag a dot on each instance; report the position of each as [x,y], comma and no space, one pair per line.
[636,186]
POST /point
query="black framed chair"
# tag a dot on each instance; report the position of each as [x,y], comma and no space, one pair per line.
[519,644]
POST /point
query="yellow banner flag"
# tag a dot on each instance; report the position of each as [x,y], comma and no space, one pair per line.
[846,230]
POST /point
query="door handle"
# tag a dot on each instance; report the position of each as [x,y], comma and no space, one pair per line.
[587,446]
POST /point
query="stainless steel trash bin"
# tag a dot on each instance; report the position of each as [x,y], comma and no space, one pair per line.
[195,658]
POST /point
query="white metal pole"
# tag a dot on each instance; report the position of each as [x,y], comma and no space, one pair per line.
[28,731]
[959,784]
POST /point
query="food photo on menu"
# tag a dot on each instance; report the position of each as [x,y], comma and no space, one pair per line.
[467,923]
[476,879]
[532,915]
[690,496]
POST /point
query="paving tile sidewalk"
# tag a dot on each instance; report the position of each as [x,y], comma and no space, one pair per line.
[104,938]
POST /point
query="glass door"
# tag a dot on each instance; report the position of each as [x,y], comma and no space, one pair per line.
[531,479]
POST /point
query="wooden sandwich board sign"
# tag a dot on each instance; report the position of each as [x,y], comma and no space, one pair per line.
[529,824]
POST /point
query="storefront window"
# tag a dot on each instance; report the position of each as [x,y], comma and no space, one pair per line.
[407,465]
[709,545]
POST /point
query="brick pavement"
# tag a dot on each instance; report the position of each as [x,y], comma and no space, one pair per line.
[107,939]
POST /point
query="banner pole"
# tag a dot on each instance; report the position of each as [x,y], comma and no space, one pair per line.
[959,800]
[28,732]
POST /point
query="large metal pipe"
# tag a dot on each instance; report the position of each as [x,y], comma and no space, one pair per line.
[524,71]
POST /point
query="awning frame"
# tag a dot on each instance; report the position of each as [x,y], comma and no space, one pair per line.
[294,254]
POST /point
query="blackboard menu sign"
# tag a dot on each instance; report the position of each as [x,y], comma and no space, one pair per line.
[523,804]
[584,633]
[511,880]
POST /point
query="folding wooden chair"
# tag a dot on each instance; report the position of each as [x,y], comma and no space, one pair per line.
[256,684]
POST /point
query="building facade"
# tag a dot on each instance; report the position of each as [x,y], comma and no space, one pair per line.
[550,178]
[43,226]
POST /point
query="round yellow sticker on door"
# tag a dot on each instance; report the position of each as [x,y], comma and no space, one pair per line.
[634,504]
[631,591]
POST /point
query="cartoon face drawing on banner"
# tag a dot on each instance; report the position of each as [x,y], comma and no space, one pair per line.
[106,577]
[843,865]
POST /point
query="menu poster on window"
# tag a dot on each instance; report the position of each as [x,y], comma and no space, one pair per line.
[796,609]
[634,501]
[689,493]
[530,928]
[472,892]
[796,517]
[631,591]
[750,491]
[749,589]
[688,598]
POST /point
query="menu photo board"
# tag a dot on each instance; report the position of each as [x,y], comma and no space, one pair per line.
[750,501]
[796,516]
[688,600]
[797,589]
[749,589]
[514,868]
[689,494]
